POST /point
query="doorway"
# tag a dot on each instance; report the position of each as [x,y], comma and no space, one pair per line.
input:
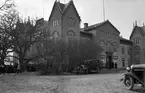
[109,61]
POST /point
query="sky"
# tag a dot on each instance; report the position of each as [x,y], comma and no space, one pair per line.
[121,13]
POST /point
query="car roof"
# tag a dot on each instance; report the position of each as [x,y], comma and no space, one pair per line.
[139,66]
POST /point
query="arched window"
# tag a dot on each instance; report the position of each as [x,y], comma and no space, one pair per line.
[71,38]
[115,47]
[55,34]
[71,33]
[109,46]
[102,44]
[136,54]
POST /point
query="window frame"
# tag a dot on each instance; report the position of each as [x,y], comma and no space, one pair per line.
[123,50]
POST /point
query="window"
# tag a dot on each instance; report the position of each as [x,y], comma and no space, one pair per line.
[129,50]
[123,49]
[71,22]
[55,36]
[109,46]
[115,47]
[71,35]
[136,40]
[55,23]
[123,62]
[71,39]
[102,44]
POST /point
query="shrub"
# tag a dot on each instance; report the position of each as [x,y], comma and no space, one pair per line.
[42,69]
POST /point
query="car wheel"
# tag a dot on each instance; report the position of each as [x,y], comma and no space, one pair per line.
[129,82]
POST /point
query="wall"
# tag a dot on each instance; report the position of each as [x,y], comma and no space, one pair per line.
[125,55]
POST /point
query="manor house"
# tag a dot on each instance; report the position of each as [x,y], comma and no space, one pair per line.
[64,22]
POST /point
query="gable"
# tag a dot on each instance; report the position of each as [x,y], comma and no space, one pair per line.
[136,30]
[71,10]
[55,9]
[107,26]
[136,33]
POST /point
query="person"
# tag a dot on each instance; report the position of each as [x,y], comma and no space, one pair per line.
[3,69]
[18,68]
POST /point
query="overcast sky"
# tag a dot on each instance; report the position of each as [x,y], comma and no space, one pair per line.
[121,13]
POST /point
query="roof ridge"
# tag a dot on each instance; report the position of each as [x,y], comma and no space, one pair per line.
[63,6]
[97,24]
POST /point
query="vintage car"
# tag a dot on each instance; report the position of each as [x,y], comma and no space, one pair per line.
[135,74]
[89,66]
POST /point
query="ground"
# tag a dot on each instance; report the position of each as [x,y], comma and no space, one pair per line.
[93,83]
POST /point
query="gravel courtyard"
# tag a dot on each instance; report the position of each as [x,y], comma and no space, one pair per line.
[94,83]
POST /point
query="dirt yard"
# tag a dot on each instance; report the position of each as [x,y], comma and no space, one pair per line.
[97,83]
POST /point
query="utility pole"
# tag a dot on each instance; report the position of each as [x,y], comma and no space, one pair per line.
[43,8]
[103,10]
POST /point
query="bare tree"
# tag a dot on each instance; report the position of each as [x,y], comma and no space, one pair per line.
[20,34]
[6,5]
[7,24]
[25,36]
[89,50]
[62,56]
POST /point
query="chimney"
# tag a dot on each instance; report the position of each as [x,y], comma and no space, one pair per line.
[85,25]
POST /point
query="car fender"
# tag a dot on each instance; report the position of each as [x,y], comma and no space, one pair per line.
[128,74]
[133,76]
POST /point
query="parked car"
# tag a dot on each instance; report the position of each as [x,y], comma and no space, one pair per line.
[31,66]
[135,74]
[89,66]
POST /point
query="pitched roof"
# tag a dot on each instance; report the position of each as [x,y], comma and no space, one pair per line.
[141,30]
[124,40]
[82,33]
[98,25]
[63,7]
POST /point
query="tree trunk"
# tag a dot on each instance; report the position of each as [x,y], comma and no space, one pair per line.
[2,60]
[22,63]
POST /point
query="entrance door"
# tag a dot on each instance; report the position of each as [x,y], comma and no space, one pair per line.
[109,60]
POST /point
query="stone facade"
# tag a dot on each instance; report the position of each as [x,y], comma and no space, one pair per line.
[125,52]
[64,23]
[108,37]
[138,39]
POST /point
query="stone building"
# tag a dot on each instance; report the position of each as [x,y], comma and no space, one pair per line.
[138,38]
[115,47]
[64,23]
[125,52]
